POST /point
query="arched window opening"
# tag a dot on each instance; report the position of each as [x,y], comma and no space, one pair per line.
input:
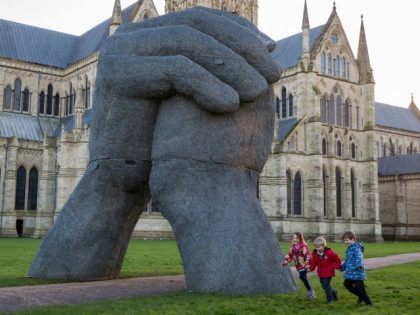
[49,100]
[283,102]
[297,195]
[344,68]
[324,146]
[323,62]
[384,150]
[325,188]
[26,100]
[289,192]
[353,151]
[277,107]
[86,94]
[17,95]
[7,98]
[20,188]
[339,117]
[339,151]
[41,103]
[336,67]
[72,99]
[290,105]
[339,192]
[145,17]
[338,71]
[67,109]
[329,64]
[57,105]
[324,109]
[331,114]
[346,114]
[353,194]
[33,189]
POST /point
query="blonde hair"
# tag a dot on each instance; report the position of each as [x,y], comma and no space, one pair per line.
[320,241]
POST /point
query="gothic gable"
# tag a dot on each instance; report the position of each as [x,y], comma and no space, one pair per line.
[144,9]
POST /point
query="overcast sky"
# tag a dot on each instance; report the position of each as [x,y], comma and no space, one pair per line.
[392,29]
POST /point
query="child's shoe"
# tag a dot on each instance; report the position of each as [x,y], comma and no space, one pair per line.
[311,294]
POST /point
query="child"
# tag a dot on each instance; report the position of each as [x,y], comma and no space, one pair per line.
[354,269]
[300,253]
[325,261]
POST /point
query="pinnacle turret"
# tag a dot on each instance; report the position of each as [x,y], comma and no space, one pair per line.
[305,21]
[365,70]
[116,19]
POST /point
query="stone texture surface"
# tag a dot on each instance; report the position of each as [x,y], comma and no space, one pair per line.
[214,130]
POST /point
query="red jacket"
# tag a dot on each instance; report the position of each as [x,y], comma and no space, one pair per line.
[327,264]
[301,255]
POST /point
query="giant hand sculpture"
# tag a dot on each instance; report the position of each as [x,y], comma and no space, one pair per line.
[195,86]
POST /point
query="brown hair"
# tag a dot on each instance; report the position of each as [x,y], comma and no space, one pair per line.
[300,237]
[348,234]
[320,241]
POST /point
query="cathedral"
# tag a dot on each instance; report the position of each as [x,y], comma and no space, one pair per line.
[339,159]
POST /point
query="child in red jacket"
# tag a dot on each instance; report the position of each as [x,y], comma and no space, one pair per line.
[325,261]
[301,254]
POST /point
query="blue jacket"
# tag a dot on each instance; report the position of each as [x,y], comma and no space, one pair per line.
[353,267]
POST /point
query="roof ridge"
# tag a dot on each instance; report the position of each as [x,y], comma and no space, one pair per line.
[39,28]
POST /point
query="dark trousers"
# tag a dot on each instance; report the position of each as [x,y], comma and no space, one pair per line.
[329,291]
[357,287]
[303,277]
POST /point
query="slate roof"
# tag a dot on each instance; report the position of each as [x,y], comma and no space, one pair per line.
[396,117]
[289,49]
[401,164]
[285,127]
[26,127]
[42,46]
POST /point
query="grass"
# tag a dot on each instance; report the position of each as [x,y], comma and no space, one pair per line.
[391,289]
[145,258]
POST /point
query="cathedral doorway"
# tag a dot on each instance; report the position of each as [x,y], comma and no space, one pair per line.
[19,228]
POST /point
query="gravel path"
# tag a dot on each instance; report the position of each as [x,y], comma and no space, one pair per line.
[20,298]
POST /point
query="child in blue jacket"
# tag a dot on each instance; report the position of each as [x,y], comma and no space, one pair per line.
[354,269]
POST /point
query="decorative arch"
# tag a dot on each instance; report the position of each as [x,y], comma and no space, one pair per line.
[26,100]
[331,110]
[50,97]
[41,103]
[324,109]
[17,94]
[57,104]
[291,105]
[289,186]
[338,120]
[283,102]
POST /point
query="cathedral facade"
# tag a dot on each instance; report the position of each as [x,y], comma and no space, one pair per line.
[322,174]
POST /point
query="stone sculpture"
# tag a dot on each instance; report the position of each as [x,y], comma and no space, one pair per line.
[183,100]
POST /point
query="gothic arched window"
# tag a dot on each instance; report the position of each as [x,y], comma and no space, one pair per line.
[325,188]
[353,193]
[57,105]
[49,100]
[324,146]
[86,94]
[297,194]
[290,105]
[289,192]
[26,100]
[277,107]
[353,150]
[283,102]
[7,98]
[338,112]
[41,103]
[329,64]
[339,191]
[324,109]
[323,62]
[339,151]
[20,188]
[67,109]
[17,94]
[72,99]
[33,189]
[344,68]
[331,109]
[346,114]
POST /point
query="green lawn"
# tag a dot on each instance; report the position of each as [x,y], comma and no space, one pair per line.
[145,258]
[391,289]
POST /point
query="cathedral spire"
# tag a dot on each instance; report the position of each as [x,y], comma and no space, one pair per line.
[305,21]
[365,70]
[116,19]
[305,38]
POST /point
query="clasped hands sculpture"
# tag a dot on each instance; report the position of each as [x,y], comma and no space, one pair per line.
[183,105]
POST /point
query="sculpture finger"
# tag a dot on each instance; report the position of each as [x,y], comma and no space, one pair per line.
[231,34]
[202,49]
[162,76]
[267,41]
